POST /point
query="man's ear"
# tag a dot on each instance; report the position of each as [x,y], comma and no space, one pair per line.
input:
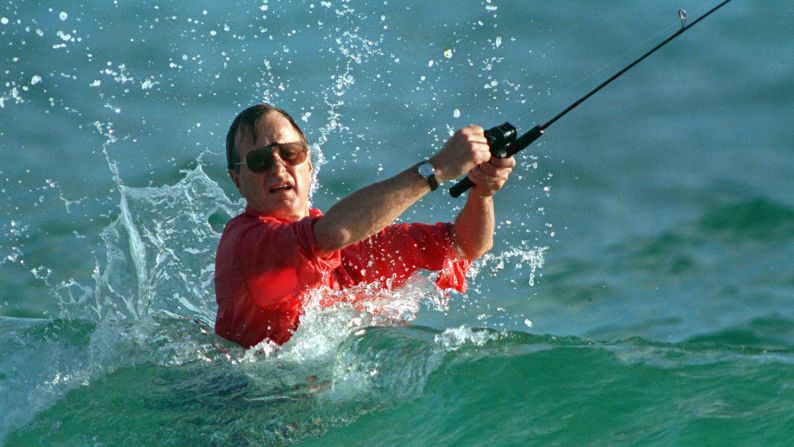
[236,179]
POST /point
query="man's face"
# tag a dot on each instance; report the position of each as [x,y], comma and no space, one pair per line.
[283,190]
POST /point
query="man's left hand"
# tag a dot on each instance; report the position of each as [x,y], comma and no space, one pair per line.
[490,176]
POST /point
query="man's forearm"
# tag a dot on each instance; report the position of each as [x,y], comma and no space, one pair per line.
[474,226]
[368,210]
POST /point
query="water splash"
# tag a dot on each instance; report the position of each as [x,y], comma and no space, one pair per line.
[455,338]
[517,257]
[143,294]
[159,250]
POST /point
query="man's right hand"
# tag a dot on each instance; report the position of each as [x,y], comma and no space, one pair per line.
[463,151]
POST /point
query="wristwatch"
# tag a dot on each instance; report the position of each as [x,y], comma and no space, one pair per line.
[426,170]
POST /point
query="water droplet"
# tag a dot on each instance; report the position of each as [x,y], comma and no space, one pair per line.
[4,20]
[63,16]
[448,53]
[456,113]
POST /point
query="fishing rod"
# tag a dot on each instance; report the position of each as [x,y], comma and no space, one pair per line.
[502,139]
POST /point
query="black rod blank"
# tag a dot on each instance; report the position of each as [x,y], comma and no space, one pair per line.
[505,145]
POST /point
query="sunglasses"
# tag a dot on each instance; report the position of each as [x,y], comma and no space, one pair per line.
[261,160]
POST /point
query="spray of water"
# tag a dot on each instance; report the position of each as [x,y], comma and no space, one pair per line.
[144,293]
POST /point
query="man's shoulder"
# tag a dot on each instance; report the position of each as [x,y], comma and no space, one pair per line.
[240,220]
[241,225]
[250,216]
[250,224]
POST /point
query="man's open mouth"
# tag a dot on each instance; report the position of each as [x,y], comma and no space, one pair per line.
[283,187]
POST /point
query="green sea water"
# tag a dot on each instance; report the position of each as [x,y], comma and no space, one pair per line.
[639,292]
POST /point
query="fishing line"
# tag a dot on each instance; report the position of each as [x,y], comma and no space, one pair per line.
[607,65]
[503,140]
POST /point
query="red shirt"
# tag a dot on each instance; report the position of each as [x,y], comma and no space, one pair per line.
[266,266]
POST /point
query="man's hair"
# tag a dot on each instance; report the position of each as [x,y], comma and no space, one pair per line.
[246,122]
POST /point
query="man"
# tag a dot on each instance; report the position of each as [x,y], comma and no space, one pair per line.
[279,249]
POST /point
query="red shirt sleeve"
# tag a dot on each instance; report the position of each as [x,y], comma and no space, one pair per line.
[262,268]
[395,253]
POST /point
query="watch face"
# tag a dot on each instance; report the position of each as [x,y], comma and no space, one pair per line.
[426,169]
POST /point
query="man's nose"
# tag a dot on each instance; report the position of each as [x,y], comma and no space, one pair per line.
[278,164]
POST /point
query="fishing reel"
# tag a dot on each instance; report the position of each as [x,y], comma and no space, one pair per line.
[500,138]
[500,143]
[503,142]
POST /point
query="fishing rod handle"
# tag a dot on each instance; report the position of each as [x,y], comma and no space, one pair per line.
[506,149]
[460,187]
[499,139]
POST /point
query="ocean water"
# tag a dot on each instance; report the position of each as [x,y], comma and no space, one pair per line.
[639,291]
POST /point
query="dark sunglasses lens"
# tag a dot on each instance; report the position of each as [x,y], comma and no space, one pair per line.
[293,153]
[259,160]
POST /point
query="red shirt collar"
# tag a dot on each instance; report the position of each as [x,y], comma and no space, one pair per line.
[249,210]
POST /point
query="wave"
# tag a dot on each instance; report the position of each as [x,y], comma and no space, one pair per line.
[758,219]
[389,385]
[743,223]
[721,271]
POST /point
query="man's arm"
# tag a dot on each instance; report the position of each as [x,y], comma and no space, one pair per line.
[370,209]
[474,226]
